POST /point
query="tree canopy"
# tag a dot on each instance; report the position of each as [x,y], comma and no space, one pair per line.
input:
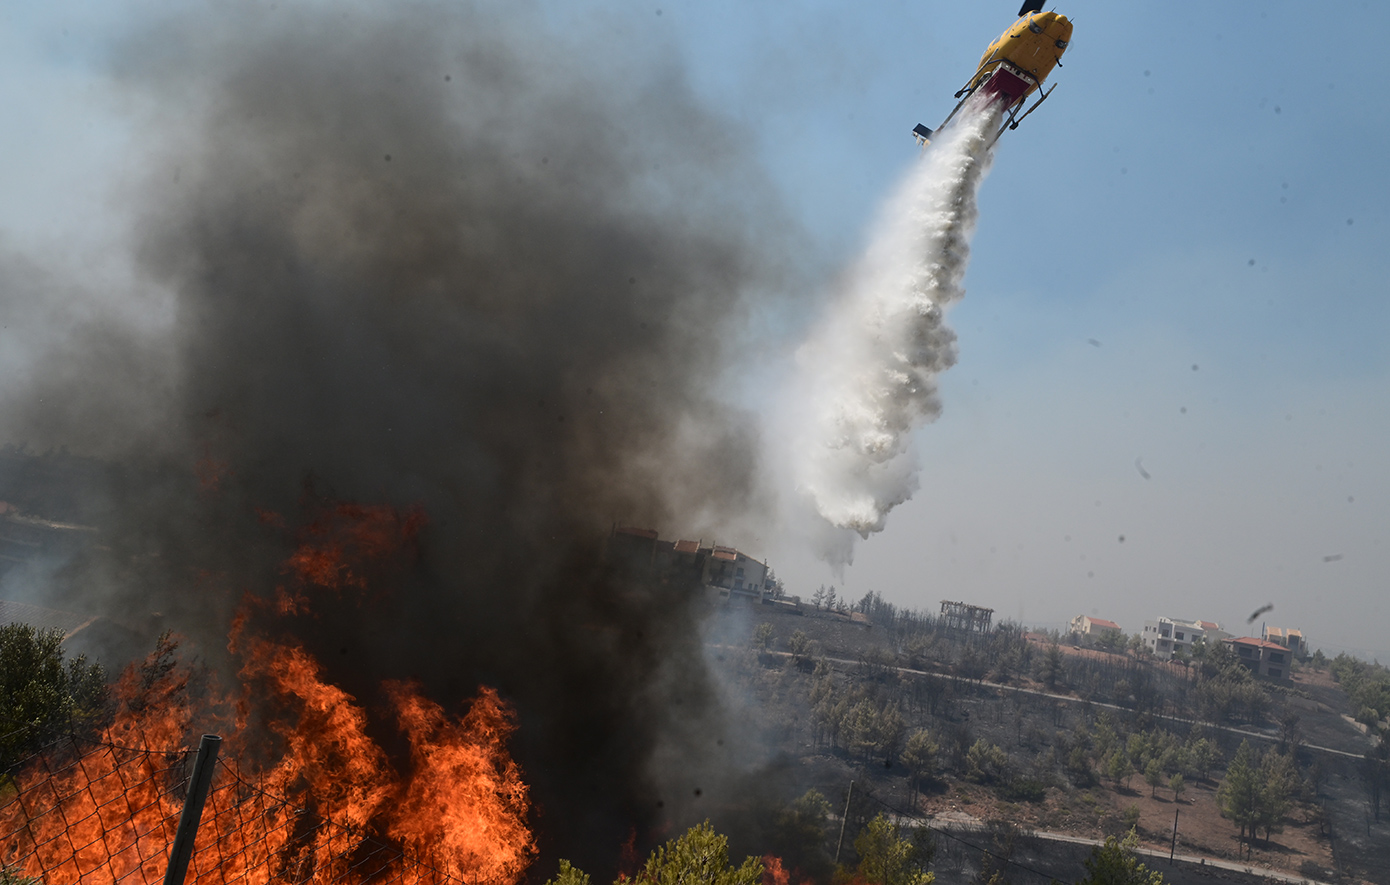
[1115,863]
[1258,790]
[885,858]
[700,857]
[40,693]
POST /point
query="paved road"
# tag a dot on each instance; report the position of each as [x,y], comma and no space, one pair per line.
[1258,735]
[1236,866]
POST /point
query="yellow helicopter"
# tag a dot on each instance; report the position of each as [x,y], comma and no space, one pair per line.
[1014,67]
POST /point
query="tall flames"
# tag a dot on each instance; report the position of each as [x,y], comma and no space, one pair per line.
[327,803]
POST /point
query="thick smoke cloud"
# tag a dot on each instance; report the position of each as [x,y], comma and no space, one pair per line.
[431,257]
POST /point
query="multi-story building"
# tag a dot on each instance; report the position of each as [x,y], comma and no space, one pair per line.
[1291,639]
[736,574]
[1262,656]
[1166,637]
[1086,625]
[725,571]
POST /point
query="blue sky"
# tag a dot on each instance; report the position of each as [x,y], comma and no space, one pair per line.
[1184,142]
[1113,313]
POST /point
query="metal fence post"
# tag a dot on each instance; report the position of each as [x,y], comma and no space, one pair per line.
[182,851]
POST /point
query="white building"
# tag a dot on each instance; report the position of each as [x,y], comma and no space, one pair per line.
[1166,637]
[1089,626]
[735,573]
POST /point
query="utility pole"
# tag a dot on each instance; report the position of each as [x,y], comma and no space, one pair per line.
[1173,849]
[843,819]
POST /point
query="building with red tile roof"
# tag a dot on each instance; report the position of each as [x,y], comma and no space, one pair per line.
[725,571]
[1089,626]
[1262,656]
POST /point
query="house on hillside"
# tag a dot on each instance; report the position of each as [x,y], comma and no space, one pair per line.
[1262,656]
[1291,639]
[726,571]
[1085,625]
[736,574]
[1167,637]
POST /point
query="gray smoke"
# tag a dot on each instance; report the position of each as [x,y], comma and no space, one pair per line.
[434,256]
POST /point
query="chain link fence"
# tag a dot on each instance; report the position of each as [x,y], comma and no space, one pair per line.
[83,811]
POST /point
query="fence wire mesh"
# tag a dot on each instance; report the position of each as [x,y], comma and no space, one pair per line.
[82,811]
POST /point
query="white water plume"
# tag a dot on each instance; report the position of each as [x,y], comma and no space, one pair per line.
[868,371]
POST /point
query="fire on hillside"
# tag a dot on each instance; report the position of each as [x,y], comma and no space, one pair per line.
[327,796]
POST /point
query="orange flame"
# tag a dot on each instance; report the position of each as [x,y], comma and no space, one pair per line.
[347,540]
[629,862]
[465,805]
[331,807]
[776,873]
[773,871]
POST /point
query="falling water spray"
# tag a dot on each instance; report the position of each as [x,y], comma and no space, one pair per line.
[868,371]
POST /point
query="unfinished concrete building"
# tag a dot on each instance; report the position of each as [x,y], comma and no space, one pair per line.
[964,618]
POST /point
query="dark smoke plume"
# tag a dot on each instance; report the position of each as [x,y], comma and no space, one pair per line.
[432,257]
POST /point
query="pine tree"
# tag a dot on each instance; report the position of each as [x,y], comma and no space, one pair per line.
[1118,767]
[798,644]
[1279,781]
[1239,793]
[1153,776]
[887,859]
[1115,863]
[1177,785]
[1204,755]
[762,636]
[919,758]
[1052,666]
[569,875]
[700,857]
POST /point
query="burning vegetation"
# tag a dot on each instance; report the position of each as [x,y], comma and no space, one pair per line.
[368,270]
[327,797]
[426,300]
